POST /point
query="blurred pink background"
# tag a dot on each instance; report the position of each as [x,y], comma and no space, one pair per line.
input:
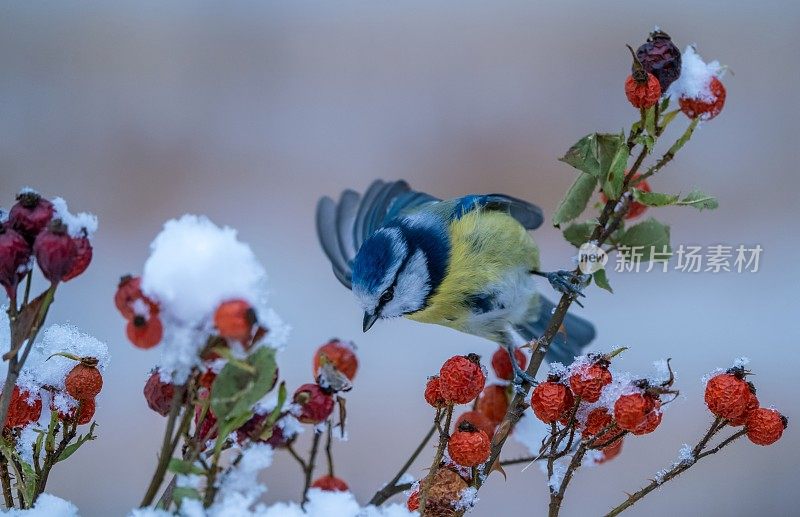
[249,111]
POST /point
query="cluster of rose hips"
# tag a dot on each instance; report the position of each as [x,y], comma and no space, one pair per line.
[462,380]
[144,328]
[33,230]
[637,410]
[732,398]
[656,65]
[83,383]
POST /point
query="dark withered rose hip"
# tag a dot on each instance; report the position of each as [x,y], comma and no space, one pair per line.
[30,214]
[14,254]
[661,57]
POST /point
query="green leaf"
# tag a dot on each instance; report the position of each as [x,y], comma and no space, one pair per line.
[184,492]
[654,198]
[583,156]
[236,389]
[579,233]
[574,203]
[649,237]
[699,200]
[179,466]
[601,280]
[668,117]
[233,422]
[613,153]
[664,104]
[650,121]
[70,449]
[646,140]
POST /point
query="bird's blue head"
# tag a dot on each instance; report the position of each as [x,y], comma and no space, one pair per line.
[395,271]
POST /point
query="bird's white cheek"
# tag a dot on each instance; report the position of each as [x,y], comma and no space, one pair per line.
[413,286]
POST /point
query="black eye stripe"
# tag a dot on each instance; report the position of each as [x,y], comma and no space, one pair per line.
[384,299]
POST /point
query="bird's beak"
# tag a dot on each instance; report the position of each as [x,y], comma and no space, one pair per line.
[369,320]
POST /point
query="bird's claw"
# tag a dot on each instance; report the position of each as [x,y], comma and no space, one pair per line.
[568,282]
[520,378]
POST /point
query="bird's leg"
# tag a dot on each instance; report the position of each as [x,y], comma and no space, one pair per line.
[520,375]
[566,282]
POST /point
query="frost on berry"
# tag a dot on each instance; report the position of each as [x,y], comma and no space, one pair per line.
[588,380]
[765,426]
[461,379]
[493,403]
[341,354]
[330,484]
[469,446]
[501,363]
[82,413]
[699,91]
[314,405]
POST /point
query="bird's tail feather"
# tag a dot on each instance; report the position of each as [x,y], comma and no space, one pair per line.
[579,333]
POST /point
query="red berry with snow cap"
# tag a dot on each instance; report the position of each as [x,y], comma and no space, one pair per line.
[55,251]
[339,353]
[551,400]
[84,412]
[587,381]
[469,446]
[728,394]
[765,426]
[330,484]
[23,408]
[84,381]
[83,257]
[158,394]
[145,332]
[315,405]
[14,255]
[30,214]
[708,107]
[234,319]
[461,379]
[501,363]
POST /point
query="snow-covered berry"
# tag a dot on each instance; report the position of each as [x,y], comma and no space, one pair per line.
[23,408]
[588,380]
[705,108]
[83,412]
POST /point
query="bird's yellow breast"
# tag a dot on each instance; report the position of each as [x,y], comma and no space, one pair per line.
[485,247]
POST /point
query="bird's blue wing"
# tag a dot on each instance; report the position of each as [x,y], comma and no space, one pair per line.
[343,226]
[527,214]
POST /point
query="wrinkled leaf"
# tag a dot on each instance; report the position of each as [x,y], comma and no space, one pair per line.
[579,233]
[237,389]
[649,237]
[601,280]
[650,121]
[699,200]
[654,198]
[576,199]
[583,156]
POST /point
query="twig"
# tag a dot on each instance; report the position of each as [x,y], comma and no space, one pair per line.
[671,152]
[328,451]
[392,487]
[168,446]
[680,467]
[444,436]
[309,466]
[5,477]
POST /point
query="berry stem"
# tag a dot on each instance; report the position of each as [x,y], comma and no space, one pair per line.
[328,451]
[444,435]
[168,446]
[680,467]
[392,488]
[310,464]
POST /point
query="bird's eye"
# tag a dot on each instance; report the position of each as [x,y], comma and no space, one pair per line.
[387,295]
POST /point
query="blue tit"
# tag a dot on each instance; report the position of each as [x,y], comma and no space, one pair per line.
[467,263]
